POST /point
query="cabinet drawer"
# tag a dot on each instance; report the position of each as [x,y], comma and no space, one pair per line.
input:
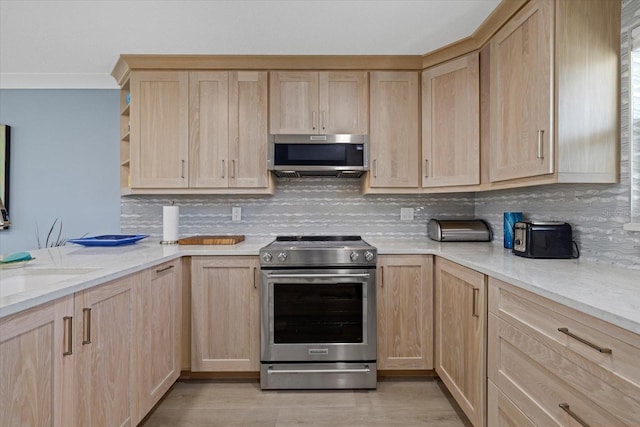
[502,412]
[539,381]
[605,350]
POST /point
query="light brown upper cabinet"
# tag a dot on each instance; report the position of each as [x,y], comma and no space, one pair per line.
[394,140]
[554,93]
[228,129]
[330,102]
[159,137]
[196,132]
[451,123]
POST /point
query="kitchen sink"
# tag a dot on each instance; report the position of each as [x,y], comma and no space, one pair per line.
[30,279]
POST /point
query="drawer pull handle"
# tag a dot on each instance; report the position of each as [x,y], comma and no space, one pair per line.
[540,154]
[68,335]
[160,270]
[565,407]
[86,331]
[476,293]
[583,341]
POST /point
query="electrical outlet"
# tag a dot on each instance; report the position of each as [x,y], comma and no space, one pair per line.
[406,214]
[236,213]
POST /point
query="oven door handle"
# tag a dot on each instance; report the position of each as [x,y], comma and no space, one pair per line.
[319,371]
[319,276]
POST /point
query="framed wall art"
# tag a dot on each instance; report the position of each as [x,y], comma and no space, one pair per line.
[4,164]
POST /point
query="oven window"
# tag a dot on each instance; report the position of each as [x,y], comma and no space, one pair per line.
[330,313]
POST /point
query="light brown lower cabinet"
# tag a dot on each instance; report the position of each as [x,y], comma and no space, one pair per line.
[502,411]
[461,319]
[104,320]
[158,323]
[102,357]
[405,312]
[225,314]
[558,366]
[37,366]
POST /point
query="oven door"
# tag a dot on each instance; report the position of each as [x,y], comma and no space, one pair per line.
[318,315]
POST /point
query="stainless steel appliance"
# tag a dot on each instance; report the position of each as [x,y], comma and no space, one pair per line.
[543,240]
[345,156]
[318,313]
[472,230]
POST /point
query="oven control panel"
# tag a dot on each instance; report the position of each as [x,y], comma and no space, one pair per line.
[302,258]
[318,251]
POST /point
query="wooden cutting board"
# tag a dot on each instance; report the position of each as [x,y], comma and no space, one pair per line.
[211,240]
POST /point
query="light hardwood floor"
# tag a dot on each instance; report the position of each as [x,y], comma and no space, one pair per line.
[410,402]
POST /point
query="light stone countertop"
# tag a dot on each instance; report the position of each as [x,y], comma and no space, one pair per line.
[605,292]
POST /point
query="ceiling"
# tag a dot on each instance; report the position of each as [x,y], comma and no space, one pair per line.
[75,44]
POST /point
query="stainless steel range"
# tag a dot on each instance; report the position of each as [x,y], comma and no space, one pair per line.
[318,313]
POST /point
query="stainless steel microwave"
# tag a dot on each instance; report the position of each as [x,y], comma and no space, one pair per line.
[317,155]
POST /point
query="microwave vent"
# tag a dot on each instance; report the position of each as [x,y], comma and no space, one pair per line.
[286,174]
[350,174]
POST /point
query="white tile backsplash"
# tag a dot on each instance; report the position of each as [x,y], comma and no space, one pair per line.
[299,206]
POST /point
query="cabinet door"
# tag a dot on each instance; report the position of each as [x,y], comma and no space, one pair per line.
[344,102]
[394,130]
[103,335]
[461,323]
[248,134]
[209,129]
[521,99]
[159,129]
[293,102]
[405,312]
[157,335]
[225,329]
[36,377]
[451,123]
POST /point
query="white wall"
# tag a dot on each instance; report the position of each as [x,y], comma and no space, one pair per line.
[64,163]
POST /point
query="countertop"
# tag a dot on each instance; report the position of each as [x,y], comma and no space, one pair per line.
[605,292]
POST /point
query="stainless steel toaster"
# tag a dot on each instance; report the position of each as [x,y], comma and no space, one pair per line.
[457,230]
